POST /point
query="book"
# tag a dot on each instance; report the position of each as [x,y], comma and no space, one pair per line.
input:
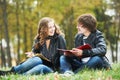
[38,55]
[42,57]
[83,47]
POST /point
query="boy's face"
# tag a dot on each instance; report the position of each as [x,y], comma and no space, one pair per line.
[81,29]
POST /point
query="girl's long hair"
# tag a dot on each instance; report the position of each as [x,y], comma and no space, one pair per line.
[42,32]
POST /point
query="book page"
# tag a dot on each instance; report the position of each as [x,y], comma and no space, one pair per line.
[42,56]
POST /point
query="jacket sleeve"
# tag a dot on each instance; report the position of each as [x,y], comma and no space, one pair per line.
[99,46]
[62,44]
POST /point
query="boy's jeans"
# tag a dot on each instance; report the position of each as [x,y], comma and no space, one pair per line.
[68,63]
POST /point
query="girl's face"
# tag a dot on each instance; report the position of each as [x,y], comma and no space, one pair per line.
[51,28]
[81,29]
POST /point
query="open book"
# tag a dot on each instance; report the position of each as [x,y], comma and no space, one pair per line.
[83,47]
[42,57]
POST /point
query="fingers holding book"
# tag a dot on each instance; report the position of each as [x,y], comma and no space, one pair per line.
[68,53]
[77,52]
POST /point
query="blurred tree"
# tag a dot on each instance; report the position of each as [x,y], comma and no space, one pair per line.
[112,27]
[4,7]
[3,60]
[2,53]
[17,29]
[116,6]
[69,27]
[25,26]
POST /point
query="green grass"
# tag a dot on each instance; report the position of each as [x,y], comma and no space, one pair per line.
[113,74]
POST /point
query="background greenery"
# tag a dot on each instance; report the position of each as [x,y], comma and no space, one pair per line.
[19,20]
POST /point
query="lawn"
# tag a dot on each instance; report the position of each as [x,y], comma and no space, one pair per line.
[113,74]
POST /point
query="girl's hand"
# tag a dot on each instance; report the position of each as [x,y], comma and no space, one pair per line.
[29,54]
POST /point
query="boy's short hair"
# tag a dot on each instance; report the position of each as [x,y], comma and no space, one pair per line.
[88,21]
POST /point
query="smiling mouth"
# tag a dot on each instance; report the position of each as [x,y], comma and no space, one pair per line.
[51,32]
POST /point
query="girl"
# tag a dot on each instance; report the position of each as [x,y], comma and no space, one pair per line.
[44,57]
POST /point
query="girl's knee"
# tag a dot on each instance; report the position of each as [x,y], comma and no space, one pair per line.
[37,59]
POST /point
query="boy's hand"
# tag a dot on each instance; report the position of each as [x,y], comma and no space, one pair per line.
[68,53]
[77,52]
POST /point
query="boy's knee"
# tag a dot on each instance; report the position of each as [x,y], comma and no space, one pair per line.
[97,58]
[62,57]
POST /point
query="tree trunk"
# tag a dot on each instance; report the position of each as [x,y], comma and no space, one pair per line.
[112,53]
[3,61]
[118,34]
[6,32]
[71,29]
[18,34]
[31,30]
[31,36]
[25,32]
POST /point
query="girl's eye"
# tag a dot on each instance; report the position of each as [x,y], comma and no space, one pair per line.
[51,27]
